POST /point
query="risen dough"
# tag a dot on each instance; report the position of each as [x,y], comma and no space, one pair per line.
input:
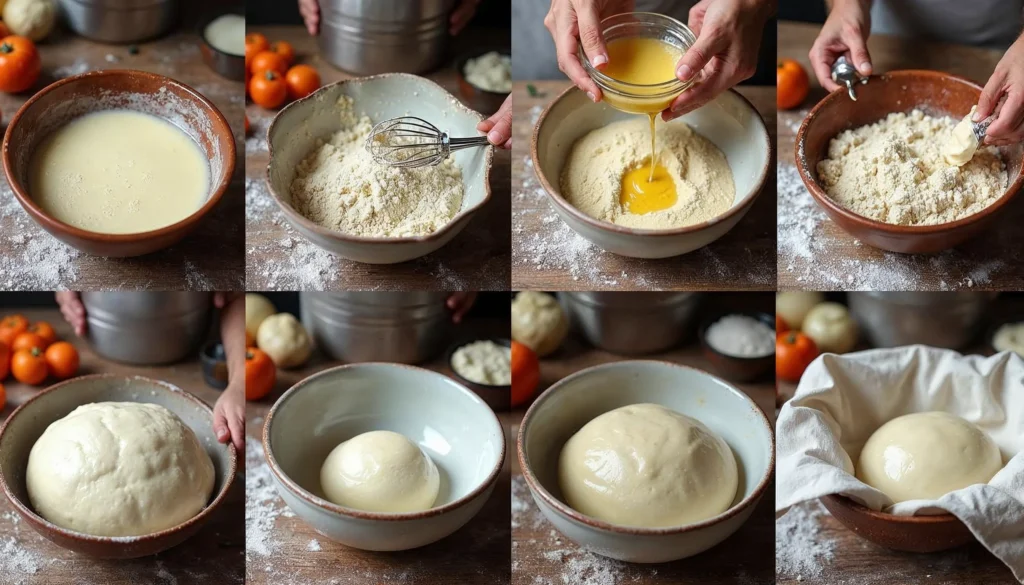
[645,465]
[538,322]
[380,471]
[119,469]
[927,455]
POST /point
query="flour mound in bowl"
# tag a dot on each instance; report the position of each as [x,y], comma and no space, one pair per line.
[893,171]
[592,178]
[340,187]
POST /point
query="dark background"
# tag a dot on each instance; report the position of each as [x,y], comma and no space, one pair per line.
[803,10]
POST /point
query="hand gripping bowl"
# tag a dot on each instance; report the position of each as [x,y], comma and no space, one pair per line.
[28,421]
[935,93]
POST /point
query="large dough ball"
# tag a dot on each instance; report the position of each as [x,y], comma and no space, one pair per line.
[119,469]
[34,19]
[380,471]
[926,455]
[285,340]
[538,322]
[646,465]
[257,308]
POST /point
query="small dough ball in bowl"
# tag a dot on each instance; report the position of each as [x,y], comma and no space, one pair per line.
[926,455]
[645,465]
[119,469]
[539,322]
[380,471]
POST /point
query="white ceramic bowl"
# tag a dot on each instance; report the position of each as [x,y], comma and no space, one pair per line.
[577,399]
[295,130]
[451,423]
[730,121]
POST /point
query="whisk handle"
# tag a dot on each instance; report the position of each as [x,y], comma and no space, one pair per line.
[460,143]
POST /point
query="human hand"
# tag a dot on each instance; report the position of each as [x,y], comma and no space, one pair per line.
[728,38]
[499,126]
[569,20]
[229,416]
[461,16]
[845,32]
[1006,83]
[310,11]
[459,303]
[70,303]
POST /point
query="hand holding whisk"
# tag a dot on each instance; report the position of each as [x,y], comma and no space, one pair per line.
[410,142]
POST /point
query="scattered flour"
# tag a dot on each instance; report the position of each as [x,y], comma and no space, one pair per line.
[76,67]
[801,550]
[256,142]
[262,504]
[30,258]
[313,546]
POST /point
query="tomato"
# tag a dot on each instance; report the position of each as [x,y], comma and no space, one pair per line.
[29,366]
[780,325]
[11,326]
[5,361]
[794,351]
[3,396]
[254,43]
[268,61]
[260,374]
[268,89]
[525,373]
[285,49]
[301,80]
[19,64]
[28,340]
[44,330]
[62,359]
[791,84]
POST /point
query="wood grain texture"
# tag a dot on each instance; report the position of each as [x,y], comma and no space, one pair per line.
[476,554]
[278,258]
[840,262]
[214,555]
[548,255]
[210,258]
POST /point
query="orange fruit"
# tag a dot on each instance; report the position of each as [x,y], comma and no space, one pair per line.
[19,64]
[260,374]
[11,326]
[285,49]
[268,89]
[301,80]
[525,373]
[268,61]
[28,340]
[5,360]
[3,396]
[29,366]
[791,84]
[62,359]
[44,330]
[254,43]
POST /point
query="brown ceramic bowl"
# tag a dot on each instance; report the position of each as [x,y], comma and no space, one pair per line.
[482,100]
[29,420]
[60,102]
[933,92]
[736,368]
[499,398]
[921,534]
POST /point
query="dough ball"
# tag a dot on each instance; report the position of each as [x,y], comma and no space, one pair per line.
[119,469]
[285,340]
[34,19]
[538,322]
[380,471]
[926,455]
[257,308]
[646,465]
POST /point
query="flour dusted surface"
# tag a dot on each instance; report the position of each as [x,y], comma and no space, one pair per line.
[340,187]
[893,171]
[592,178]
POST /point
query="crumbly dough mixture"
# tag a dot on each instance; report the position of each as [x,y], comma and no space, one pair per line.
[339,186]
[491,71]
[484,362]
[893,171]
[592,178]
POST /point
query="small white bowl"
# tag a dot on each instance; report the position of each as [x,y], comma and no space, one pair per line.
[577,399]
[296,129]
[451,423]
[729,121]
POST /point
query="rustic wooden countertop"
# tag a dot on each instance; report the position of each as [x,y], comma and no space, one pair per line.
[214,555]
[210,258]
[281,548]
[815,254]
[542,556]
[548,255]
[278,258]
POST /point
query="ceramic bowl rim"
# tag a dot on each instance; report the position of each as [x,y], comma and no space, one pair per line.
[702,333]
[857,508]
[29,514]
[866,223]
[325,505]
[219,185]
[566,511]
[562,204]
[295,217]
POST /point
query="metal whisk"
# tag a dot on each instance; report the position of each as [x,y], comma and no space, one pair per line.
[410,142]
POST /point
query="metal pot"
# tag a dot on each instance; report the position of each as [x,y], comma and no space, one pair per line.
[939,319]
[631,323]
[401,327]
[120,21]
[384,36]
[146,328]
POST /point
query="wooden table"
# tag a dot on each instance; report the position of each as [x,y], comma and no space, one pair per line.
[542,556]
[476,554]
[210,258]
[815,254]
[549,255]
[278,258]
[214,555]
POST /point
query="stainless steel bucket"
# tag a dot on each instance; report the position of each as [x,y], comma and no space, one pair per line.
[939,319]
[401,327]
[120,21]
[631,323]
[147,328]
[384,36]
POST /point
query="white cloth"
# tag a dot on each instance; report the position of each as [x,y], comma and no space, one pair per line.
[842,400]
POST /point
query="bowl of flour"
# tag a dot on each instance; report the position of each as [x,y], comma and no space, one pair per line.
[876,166]
[333,193]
